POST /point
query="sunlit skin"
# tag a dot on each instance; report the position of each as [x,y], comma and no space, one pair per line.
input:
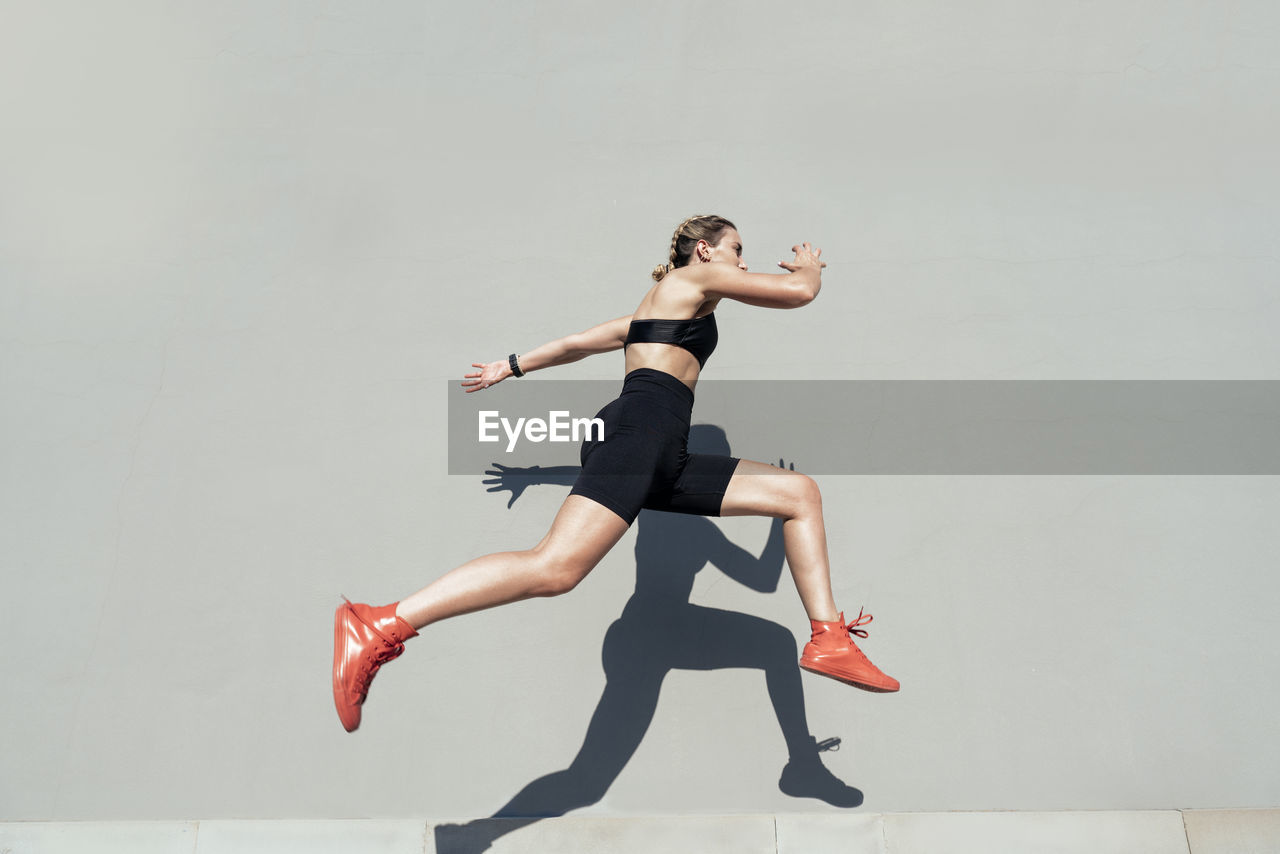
[584,531]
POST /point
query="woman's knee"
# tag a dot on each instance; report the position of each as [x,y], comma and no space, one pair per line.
[769,491]
[559,573]
[803,494]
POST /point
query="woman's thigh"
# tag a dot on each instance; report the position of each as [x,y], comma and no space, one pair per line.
[583,532]
[759,489]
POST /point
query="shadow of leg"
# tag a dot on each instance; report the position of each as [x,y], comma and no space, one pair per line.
[617,727]
[729,639]
[639,650]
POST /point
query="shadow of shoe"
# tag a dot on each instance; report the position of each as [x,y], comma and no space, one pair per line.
[475,836]
[806,777]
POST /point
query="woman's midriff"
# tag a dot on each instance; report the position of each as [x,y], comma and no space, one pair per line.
[668,358]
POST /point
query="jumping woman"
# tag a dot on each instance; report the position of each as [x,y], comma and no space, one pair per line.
[641,463]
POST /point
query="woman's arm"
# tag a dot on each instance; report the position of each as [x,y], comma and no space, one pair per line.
[798,286]
[606,337]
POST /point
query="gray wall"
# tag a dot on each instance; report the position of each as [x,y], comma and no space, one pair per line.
[243,245]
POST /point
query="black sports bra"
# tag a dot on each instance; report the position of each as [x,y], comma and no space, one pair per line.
[698,335]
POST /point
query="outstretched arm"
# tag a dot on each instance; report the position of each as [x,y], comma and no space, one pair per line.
[608,336]
[797,287]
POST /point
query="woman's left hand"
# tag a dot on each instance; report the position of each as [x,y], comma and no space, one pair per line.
[490,374]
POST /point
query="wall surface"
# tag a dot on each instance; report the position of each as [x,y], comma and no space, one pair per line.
[243,246]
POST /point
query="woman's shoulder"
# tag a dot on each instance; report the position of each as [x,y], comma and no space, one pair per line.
[704,280]
[677,295]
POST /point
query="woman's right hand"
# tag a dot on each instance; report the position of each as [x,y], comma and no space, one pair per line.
[806,258]
[489,374]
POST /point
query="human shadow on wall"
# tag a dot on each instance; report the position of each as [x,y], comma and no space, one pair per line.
[660,630]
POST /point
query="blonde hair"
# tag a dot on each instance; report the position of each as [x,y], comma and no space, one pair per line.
[708,227]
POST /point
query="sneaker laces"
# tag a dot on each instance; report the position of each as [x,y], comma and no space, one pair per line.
[862,620]
[370,665]
[854,631]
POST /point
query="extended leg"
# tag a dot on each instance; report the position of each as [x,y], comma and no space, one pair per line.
[583,532]
[365,638]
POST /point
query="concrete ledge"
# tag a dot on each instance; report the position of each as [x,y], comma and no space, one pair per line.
[1155,832]
[405,836]
[103,837]
[1136,832]
[1233,831]
[737,834]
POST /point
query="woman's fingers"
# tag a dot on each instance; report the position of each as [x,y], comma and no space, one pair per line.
[477,385]
[481,379]
[806,255]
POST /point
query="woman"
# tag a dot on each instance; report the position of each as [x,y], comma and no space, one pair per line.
[642,462]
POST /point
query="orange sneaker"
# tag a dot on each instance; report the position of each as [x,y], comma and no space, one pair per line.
[364,639]
[832,653]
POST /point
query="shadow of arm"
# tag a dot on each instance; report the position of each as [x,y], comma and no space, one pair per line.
[517,479]
[758,573]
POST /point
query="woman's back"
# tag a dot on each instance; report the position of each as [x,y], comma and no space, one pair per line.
[673,329]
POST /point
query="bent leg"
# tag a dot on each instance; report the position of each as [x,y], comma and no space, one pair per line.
[582,534]
[757,489]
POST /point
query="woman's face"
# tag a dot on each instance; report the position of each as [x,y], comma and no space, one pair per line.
[729,249]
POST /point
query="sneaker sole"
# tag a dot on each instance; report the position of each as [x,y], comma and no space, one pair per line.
[338,693]
[875,689]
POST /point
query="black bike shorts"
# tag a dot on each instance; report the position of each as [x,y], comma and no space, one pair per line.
[643,461]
